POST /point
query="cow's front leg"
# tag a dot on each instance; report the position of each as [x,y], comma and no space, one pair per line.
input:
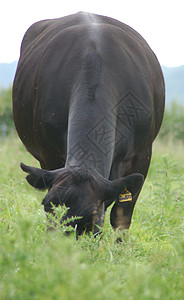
[121,215]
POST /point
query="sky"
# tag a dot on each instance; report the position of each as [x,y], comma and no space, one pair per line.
[160,22]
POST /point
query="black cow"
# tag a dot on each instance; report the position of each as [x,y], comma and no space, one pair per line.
[88,101]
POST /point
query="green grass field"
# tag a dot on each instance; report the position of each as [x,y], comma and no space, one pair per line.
[148,264]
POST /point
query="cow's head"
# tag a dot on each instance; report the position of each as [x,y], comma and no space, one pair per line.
[83,191]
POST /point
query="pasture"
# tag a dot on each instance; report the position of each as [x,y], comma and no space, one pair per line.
[148,264]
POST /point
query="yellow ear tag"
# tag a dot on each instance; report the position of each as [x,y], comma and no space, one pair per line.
[127,196]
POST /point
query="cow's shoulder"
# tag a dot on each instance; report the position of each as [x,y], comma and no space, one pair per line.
[44,29]
[33,32]
[118,24]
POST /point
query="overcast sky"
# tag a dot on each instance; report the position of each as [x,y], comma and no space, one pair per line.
[160,22]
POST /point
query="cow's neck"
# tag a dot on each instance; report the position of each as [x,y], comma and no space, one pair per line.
[91,135]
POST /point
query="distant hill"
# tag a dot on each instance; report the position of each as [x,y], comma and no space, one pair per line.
[7,72]
[174,79]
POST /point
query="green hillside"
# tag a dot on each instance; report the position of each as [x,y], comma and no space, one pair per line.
[174,80]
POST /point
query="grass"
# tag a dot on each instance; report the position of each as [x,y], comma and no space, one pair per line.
[148,264]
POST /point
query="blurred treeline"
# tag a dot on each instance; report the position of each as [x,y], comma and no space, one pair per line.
[172,126]
[6,117]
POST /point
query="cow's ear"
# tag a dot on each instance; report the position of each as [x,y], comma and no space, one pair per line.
[38,178]
[131,183]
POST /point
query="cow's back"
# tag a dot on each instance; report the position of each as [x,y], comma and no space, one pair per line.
[54,54]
